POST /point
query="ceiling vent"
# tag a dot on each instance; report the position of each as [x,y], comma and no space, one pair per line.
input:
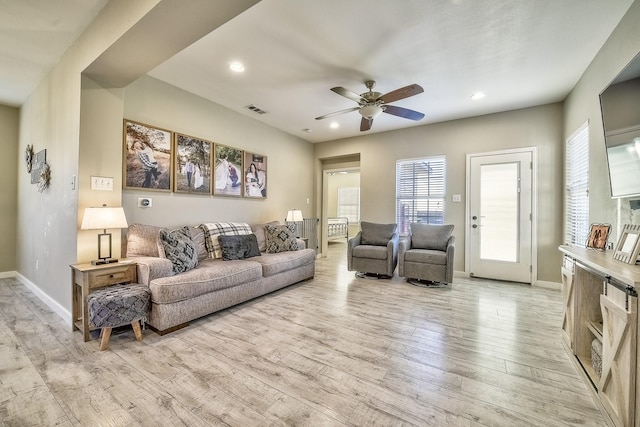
[255,109]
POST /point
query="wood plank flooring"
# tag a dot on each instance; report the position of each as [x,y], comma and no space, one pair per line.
[333,351]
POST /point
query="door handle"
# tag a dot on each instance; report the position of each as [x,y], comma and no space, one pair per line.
[474,217]
[475,226]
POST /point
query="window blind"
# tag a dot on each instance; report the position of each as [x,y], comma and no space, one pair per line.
[420,191]
[577,187]
[349,204]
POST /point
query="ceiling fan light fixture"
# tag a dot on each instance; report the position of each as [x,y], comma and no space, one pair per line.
[370,111]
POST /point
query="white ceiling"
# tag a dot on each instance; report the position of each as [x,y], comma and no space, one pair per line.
[521,53]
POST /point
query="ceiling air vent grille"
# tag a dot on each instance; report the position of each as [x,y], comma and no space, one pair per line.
[255,109]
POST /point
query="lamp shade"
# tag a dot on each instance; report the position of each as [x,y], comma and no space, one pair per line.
[294,215]
[370,111]
[103,218]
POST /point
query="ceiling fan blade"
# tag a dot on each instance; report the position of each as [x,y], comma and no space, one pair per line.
[336,113]
[403,112]
[365,124]
[348,94]
[403,92]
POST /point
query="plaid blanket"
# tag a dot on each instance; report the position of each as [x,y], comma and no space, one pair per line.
[214,229]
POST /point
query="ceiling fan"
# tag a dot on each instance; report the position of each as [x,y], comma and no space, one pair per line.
[371,104]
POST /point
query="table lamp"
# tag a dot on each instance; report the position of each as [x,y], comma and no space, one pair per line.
[101,219]
[294,215]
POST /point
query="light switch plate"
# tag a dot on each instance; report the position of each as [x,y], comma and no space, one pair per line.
[457,198]
[102,183]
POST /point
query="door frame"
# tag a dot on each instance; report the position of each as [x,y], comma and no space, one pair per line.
[534,207]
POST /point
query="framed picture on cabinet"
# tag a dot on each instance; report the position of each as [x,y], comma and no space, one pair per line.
[192,166]
[628,245]
[146,157]
[227,178]
[598,236]
[255,174]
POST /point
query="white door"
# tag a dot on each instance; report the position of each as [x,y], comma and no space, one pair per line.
[500,216]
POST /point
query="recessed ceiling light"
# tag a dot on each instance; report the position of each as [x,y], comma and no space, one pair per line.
[478,95]
[334,125]
[236,67]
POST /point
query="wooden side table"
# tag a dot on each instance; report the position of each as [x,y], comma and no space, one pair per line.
[85,278]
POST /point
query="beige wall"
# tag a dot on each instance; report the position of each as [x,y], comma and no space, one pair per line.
[539,127]
[582,104]
[11,164]
[289,159]
[47,222]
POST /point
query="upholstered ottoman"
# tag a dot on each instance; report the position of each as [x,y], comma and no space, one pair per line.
[118,305]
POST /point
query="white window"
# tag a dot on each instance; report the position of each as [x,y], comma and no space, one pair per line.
[577,187]
[420,191]
[349,204]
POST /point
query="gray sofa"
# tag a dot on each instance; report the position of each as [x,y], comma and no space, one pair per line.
[214,284]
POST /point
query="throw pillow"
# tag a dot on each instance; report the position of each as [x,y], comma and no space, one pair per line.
[430,236]
[179,249]
[281,238]
[376,234]
[214,229]
[258,230]
[142,240]
[238,247]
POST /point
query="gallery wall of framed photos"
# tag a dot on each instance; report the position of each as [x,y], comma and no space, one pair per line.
[156,159]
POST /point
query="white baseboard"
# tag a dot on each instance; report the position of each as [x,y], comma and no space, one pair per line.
[7,274]
[50,302]
[548,285]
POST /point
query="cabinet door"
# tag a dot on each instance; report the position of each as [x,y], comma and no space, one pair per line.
[617,383]
[569,308]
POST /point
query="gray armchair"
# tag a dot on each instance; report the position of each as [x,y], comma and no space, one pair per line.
[374,250]
[427,253]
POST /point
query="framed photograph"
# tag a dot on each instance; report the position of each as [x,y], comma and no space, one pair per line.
[598,236]
[39,160]
[255,175]
[192,166]
[628,245]
[147,157]
[227,176]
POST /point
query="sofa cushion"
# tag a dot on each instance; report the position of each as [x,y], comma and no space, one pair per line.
[376,234]
[209,276]
[281,238]
[370,251]
[143,240]
[238,247]
[426,256]
[284,261]
[430,236]
[179,249]
[258,230]
[214,229]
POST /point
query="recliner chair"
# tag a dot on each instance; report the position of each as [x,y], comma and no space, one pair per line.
[374,250]
[427,253]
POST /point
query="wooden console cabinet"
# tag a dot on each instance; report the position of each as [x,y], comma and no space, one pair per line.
[601,303]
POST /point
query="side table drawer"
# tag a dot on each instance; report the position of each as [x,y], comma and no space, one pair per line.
[99,279]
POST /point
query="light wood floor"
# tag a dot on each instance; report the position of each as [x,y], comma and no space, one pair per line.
[332,351]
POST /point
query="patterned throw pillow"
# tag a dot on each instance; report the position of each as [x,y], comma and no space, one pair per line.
[179,249]
[213,230]
[238,247]
[281,238]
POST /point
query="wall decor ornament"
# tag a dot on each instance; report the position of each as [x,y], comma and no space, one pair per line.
[45,178]
[228,177]
[39,160]
[192,168]
[255,175]
[147,157]
[28,157]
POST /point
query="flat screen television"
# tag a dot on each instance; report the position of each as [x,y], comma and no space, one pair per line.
[620,107]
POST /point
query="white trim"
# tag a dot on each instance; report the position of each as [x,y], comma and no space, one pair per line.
[50,302]
[7,274]
[548,285]
[534,205]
